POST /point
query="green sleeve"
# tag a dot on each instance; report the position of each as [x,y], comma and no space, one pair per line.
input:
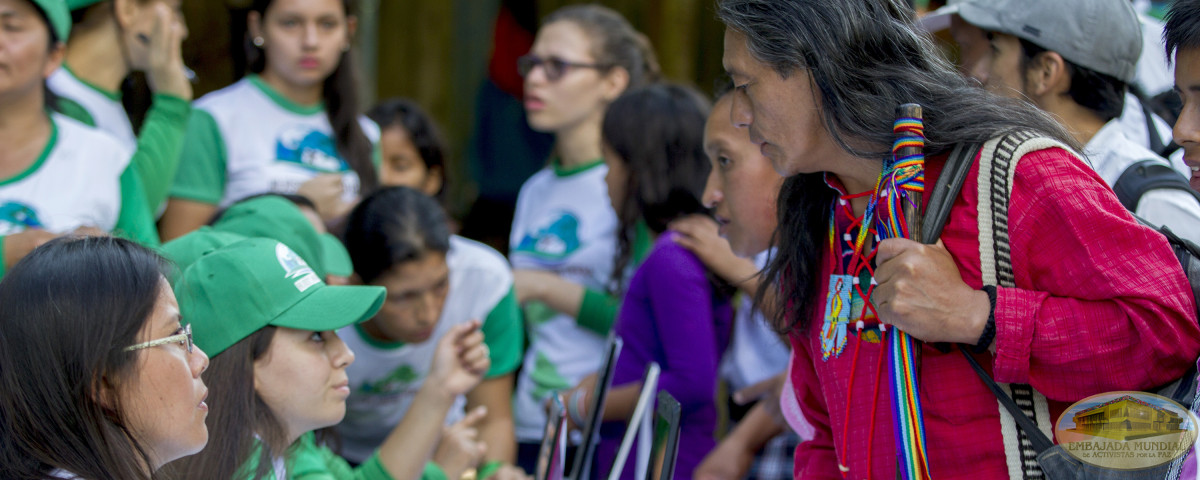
[3,267]
[201,173]
[136,219]
[308,461]
[432,472]
[159,145]
[74,110]
[597,311]
[504,334]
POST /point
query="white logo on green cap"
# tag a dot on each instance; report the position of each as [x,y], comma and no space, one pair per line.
[295,267]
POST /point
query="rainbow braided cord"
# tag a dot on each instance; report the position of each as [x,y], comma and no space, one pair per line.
[904,178]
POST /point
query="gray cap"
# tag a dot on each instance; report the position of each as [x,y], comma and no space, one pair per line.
[1101,35]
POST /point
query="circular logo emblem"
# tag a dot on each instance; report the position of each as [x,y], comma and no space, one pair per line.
[1126,430]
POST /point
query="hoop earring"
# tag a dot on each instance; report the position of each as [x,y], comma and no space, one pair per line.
[258,41]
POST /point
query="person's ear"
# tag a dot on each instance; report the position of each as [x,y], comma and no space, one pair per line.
[254,28]
[125,11]
[54,59]
[106,395]
[433,181]
[1047,74]
[351,28]
[615,82]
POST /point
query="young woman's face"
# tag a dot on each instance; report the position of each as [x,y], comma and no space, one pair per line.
[163,401]
[139,19]
[416,294]
[742,185]
[579,95]
[304,39]
[302,379]
[26,57]
[617,177]
[403,165]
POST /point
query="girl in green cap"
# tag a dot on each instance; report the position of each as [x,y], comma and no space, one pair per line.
[109,40]
[56,175]
[278,371]
[293,126]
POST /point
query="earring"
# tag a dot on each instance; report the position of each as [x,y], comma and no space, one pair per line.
[258,41]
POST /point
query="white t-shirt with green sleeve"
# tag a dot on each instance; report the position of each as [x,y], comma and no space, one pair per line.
[76,182]
[104,108]
[564,224]
[385,377]
[247,139]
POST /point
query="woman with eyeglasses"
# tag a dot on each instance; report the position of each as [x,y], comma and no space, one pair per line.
[293,126]
[563,236]
[98,377]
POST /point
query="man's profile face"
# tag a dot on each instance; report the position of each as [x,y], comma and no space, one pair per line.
[1187,127]
[993,59]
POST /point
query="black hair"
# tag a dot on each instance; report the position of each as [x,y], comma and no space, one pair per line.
[657,131]
[1182,27]
[392,226]
[1103,94]
[863,58]
[615,43]
[68,310]
[340,91]
[421,130]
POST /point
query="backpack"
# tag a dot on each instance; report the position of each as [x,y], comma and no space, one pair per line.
[1146,175]
[1025,419]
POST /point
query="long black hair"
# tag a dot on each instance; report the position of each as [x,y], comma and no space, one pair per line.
[68,310]
[657,131]
[340,92]
[864,57]
[392,226]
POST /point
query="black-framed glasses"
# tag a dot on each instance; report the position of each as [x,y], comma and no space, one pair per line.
[553,67]
[184,338]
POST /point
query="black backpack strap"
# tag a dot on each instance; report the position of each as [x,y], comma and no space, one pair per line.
[1156,144]
[949,184]
[1035,436]
[1147,175]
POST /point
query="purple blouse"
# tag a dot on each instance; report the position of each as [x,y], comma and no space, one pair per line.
[672,316]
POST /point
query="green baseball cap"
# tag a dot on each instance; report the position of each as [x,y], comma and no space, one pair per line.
[185,250]
[230,293]
[78,4]
[59,15]
[276,217]
[337,259]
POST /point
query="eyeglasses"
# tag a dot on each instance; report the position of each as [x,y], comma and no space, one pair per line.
[553,67]
[184,338]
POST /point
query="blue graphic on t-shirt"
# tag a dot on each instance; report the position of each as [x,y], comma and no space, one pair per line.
[17,217]
[310,149]
[555,241]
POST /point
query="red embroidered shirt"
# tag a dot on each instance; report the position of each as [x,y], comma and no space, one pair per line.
[1101,304]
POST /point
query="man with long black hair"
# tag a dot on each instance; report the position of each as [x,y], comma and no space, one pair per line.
[1070,290]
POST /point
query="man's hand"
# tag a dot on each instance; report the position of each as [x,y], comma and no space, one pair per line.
[921,292]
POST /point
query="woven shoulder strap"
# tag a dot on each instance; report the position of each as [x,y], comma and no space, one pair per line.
[997,165]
